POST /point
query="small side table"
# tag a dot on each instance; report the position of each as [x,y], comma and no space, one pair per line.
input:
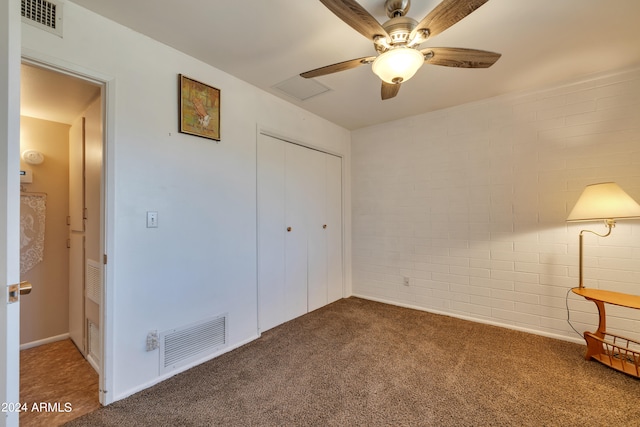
[620,353]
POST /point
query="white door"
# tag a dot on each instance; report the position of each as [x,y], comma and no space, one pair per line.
[85,211]
[76,234]
[9,205]
[333,232]
[92,262]
[317,229]
[299,230]
[297,163]
[271,232]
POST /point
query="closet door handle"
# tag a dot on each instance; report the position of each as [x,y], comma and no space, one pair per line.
[289,229]
[324,226]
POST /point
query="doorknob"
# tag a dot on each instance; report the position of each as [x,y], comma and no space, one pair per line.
[324,226]
[14,291]
[25,287]
[288,229]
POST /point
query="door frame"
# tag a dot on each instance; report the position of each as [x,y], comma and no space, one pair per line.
[107,95]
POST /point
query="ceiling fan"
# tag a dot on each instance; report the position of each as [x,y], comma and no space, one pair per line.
[398,40]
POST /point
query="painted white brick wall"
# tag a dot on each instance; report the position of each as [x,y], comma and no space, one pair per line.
[470,203]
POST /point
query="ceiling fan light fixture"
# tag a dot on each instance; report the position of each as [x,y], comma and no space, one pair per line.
[397,65]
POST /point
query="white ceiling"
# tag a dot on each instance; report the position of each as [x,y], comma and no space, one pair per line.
[53,96]
[542,42]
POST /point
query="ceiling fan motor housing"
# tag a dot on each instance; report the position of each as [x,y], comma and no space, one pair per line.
[399,29]
[397,7]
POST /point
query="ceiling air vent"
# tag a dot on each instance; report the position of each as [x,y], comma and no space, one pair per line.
[43,14]
[301,89]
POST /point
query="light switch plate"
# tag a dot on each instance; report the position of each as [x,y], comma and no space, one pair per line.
[152,219]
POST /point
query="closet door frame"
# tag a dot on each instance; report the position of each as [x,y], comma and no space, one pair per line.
[261,131]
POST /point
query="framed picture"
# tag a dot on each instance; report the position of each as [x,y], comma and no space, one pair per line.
[199,109]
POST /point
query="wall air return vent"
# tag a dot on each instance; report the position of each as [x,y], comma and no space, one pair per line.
[93,281]
[181,346]
[43,14]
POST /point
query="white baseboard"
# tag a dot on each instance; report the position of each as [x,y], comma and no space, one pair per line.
[43,341]
[475,319]
[94,363]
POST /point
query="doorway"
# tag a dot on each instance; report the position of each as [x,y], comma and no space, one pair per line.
[62,206]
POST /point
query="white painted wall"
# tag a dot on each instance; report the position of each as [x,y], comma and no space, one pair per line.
[44,313]
[201,261]
[470,203]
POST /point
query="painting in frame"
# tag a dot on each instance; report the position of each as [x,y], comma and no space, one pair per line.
[199,108]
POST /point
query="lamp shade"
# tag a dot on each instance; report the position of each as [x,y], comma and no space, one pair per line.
[397,65]
[604,201]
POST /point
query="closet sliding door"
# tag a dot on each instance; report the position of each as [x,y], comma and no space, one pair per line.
[299,230]
[271,233]
[298,163]
[333,231]
[317,295]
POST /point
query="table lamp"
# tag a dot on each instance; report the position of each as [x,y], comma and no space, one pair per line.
[604,201]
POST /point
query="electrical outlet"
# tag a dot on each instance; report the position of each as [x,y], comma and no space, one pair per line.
[152,341]
[406,281]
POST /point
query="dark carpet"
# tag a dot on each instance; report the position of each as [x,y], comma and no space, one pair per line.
[363,363]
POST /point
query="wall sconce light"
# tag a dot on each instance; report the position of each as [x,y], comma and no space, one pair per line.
[32,157]
[605,201]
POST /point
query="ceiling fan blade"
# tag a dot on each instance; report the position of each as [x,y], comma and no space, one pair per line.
[356,17]
[460,57]
[389,90]
[340,66]
[446,14]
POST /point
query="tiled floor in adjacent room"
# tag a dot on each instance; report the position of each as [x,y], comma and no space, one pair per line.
[59,382]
